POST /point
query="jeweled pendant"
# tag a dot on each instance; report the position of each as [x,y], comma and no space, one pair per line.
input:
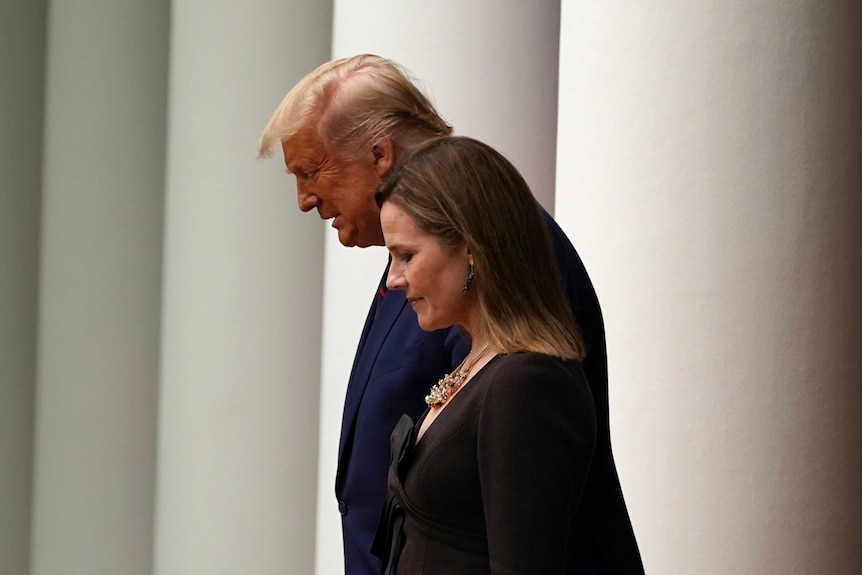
[440,392]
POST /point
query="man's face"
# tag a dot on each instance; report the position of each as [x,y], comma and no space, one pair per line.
[340,190]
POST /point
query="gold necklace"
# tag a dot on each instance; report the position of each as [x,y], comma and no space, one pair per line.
[450,382]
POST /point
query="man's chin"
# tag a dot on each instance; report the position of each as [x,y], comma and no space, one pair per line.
[353,240]
[348,239]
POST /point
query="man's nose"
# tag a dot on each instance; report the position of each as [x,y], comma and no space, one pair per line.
[305,199]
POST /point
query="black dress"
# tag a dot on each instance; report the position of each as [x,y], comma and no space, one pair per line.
[495,484]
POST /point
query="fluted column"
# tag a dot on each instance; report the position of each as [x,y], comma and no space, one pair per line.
[710,172]
[491,68]
[238,411]
[99,287]
[22,78]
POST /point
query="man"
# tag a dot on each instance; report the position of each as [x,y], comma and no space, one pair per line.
[342,128]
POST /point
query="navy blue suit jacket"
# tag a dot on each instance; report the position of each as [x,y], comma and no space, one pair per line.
[395,365]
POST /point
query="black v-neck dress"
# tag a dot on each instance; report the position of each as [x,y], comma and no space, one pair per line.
[495,484]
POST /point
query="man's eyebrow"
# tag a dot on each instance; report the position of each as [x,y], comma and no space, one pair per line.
[302,165]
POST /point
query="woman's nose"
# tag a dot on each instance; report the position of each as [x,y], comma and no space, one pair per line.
[394,279]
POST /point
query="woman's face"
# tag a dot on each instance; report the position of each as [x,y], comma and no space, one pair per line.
[431,273]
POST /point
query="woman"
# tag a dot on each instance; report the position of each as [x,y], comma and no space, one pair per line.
[489,479]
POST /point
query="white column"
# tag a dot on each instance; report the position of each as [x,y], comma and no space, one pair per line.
[21,113]
[238,412]
[710,168]
[491,69]
[99,287]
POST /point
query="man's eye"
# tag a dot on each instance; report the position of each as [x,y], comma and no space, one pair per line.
[406,258]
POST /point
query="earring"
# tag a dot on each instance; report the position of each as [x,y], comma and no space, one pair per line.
[469,281]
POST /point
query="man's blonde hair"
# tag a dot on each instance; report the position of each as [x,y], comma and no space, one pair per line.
[356,102]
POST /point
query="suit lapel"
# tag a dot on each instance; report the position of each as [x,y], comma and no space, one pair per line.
[381,317]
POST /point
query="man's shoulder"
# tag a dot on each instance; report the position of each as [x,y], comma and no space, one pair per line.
[566,254]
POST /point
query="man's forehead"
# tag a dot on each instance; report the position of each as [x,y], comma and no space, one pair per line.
[303,147]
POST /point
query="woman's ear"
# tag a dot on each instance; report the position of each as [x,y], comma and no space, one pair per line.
[384,156]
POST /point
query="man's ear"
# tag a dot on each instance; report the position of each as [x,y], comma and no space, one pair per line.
[384,156]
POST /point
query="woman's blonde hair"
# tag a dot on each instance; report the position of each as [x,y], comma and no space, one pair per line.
[461,190]
[357,101]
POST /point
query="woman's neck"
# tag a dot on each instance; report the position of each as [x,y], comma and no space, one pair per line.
[476,333]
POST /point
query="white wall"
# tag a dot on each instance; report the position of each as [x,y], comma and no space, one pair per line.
[99,293]
[239,393]
[22,57]
[710,172]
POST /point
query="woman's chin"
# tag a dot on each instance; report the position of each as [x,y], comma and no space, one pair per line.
[428,324]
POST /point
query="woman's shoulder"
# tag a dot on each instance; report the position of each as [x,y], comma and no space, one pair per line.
[527,369]
[525,385]
[530,361]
